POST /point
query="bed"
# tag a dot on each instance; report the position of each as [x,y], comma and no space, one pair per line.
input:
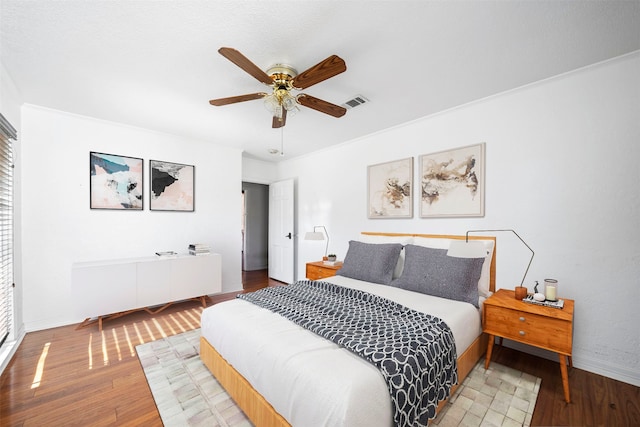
[281,374]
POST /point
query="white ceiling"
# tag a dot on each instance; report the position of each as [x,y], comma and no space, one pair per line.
[154,64]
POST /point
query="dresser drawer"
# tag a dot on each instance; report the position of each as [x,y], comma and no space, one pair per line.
[534,329]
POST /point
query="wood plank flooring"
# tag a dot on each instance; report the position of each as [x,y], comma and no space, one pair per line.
[69,377]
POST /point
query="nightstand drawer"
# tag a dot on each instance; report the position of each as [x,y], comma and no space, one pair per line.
[317,272]
[538,330]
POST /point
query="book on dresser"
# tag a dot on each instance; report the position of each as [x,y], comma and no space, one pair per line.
[198,249]
[167,254]
[547,303]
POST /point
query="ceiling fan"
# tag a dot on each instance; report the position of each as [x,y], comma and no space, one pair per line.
[284,79]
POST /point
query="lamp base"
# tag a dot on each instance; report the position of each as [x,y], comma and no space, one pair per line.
[521,292]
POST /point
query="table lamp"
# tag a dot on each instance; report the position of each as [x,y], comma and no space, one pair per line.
[317,235]
[476,249]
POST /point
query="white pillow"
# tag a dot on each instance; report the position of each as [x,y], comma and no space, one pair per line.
[442,243]
[403,240]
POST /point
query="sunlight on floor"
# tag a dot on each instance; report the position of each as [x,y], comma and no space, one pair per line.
[40,368]
[172,317]
[140,340]
[158,327]
[114,344]
[105,353]
[146,325]
[115,339]
[132,352]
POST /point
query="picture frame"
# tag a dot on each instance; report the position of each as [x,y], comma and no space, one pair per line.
[115,182]
[171,186]
[389,189]
[452,183]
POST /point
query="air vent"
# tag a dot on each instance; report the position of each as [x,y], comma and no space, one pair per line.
[355,102]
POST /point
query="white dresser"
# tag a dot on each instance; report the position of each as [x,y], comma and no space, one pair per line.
[103,288]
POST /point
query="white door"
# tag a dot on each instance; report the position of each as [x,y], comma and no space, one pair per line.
[281,263]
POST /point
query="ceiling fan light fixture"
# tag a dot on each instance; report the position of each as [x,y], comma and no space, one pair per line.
[290,104]
[272,104]
[278,100]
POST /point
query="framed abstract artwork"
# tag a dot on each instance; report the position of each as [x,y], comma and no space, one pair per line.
[452,183]
[115,182]
[172,186]
[389,189]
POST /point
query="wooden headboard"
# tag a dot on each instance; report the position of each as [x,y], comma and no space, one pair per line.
[492,271]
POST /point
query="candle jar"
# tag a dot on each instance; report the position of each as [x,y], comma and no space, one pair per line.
[551,289]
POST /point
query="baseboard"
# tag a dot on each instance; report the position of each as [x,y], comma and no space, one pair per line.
[586,363]
[616,372]
[41,325]
[256,267]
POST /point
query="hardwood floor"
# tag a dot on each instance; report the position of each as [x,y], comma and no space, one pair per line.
[67,377]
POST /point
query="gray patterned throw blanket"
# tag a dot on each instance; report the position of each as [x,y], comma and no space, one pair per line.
[415,352]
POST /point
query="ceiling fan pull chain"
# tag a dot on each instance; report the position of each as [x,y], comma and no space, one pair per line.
[282,141]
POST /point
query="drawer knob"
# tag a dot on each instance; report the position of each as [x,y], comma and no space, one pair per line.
[522,319]
[521,333]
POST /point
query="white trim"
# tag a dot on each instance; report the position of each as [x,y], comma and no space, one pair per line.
[610,370]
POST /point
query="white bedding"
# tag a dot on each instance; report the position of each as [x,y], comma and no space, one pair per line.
[309,380]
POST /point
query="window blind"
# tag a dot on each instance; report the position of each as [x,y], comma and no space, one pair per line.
[7,132]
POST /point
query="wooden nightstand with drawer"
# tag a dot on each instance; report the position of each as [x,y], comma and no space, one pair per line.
[319,270]
[544,327]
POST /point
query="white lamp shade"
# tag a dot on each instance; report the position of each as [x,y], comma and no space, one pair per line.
[464,249]
[314,235]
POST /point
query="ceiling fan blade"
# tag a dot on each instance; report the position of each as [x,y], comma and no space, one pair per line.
[320,105]
[233,99]
[328,68]
[243,62]
[280,122]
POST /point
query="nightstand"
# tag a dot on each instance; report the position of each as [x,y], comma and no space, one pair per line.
[319,270]
[544,327]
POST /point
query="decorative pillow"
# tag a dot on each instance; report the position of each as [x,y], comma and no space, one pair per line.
[403,240]
[430,271]
[442,243]
[370,262]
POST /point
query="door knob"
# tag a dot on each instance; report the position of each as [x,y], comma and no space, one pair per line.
[288,235]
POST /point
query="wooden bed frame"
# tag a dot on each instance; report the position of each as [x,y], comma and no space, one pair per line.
[261,413]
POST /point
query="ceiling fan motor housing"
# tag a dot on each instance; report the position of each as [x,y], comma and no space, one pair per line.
[282,76]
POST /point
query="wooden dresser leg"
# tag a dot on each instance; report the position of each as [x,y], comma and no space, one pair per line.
[487,360]
[565,377]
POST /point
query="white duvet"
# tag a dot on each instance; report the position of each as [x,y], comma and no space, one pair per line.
[309,380]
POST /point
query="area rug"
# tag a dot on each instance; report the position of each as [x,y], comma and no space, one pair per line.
[186,393]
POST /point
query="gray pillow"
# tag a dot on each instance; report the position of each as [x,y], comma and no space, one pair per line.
[370,262]
[430,271]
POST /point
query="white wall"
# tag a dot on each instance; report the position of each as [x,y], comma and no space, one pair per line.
[258,171]
[58,228]
[562,170]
